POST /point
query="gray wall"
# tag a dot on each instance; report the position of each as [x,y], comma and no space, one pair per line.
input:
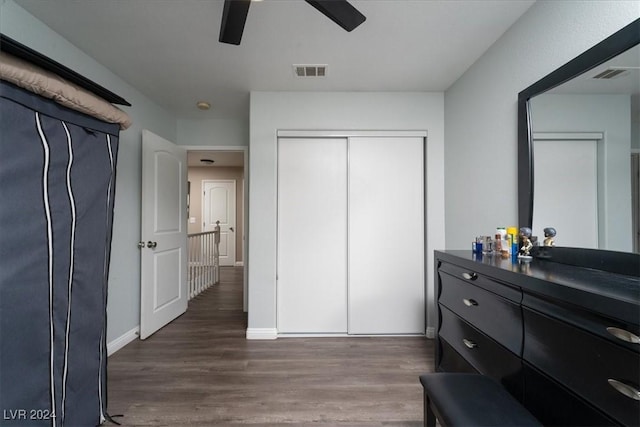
[124,282]
[273,111]
[218,132]
[124,276]
[479,172]
[481,108]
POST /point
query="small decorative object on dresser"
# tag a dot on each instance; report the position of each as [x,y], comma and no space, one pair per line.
[525,243]
[549,234]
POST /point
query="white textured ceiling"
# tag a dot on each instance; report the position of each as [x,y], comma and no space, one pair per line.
[169,49]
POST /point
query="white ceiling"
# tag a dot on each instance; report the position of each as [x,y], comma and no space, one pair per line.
[169,49]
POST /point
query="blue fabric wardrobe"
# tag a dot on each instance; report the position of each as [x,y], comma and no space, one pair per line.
[57,187]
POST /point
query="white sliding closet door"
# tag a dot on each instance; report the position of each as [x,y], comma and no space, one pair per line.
[386,235]
[312,235]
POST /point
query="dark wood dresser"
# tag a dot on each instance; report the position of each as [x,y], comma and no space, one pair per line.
[562,339]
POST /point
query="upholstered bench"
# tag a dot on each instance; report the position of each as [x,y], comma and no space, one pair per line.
[458,399]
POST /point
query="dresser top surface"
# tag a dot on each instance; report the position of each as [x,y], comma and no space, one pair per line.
[608,293]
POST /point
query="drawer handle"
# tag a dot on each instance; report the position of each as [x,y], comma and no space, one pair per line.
[471,344]
[470,276]
[623,335]
[469,302]
[625,389]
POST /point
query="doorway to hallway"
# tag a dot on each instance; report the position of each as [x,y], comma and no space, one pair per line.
[217,197]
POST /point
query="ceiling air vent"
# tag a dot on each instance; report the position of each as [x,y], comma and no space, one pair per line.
[307,70]
[610,73]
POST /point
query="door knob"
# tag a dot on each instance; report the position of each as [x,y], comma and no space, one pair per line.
[141,245]
[152,245]
[231,228]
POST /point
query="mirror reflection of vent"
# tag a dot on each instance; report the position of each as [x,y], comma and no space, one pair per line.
[307,70]
[610,73]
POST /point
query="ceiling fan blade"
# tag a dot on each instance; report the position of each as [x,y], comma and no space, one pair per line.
[234,17]
[339,11]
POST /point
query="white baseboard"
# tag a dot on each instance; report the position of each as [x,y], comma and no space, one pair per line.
[343,335]
[239,264]
[318,335]
[431,332]
[262,333]
[122,340]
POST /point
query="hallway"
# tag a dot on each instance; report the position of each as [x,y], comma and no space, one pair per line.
[201,371]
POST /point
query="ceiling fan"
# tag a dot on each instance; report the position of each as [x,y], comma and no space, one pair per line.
[235,13]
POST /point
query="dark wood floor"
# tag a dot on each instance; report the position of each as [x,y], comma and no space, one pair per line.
[201,371]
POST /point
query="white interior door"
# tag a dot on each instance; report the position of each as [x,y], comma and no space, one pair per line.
[312,235]
[163,295]
[386,236]
[220,205]
[565,191]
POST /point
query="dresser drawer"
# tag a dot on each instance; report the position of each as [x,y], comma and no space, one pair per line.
[494,315]
[505,290]
[592,367]
[484,354]
[553,405]
[625,334]
[451,361]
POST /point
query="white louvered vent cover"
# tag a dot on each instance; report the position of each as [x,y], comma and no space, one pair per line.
[610,73]
[309,70]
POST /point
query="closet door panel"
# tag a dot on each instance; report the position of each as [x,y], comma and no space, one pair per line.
[312,231]
[386,236]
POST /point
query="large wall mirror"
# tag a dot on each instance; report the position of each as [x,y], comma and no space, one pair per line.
[578,148]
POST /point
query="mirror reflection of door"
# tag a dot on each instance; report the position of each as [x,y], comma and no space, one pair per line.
[219,204]
[566,191]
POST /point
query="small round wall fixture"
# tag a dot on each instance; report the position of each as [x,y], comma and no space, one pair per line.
[207,161]
[203,105]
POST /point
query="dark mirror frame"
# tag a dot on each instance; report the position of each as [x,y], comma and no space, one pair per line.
[611,47]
